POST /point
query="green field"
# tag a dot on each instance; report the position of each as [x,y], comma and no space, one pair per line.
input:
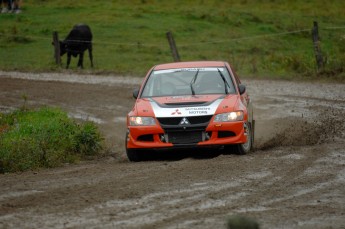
[260,38]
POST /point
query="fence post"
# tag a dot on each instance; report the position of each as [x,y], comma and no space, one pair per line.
[173,48]
[56,48]
[317,48]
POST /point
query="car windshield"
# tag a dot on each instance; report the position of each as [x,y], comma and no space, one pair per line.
[188,81]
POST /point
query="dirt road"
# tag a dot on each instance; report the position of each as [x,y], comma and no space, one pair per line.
[294,179]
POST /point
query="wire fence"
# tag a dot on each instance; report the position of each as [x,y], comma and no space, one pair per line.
[98,42]
[248,54]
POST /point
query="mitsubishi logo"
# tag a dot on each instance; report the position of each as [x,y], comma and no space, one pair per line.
[184,121]
[176,112]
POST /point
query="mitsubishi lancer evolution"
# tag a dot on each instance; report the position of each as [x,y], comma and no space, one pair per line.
[190,104]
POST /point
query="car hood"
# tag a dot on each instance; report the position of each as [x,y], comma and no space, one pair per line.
[185,106]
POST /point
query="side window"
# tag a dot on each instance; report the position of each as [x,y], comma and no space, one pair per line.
[238,81]
[228,75]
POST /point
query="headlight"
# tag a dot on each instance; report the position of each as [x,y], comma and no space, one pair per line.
[142,121]
[228,117]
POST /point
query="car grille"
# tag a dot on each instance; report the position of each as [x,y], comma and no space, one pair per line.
[190,133]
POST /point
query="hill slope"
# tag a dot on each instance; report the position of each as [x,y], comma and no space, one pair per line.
[260,38]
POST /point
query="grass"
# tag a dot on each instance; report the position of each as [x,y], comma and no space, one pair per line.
[241,222]
[129,36]
[30,139]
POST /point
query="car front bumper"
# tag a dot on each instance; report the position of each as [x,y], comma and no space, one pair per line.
[215,134]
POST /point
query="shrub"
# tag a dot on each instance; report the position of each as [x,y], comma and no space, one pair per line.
[241,222]
[30,139]
[88,139]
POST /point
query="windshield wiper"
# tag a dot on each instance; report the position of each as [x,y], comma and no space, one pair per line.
[226,84]
[193,81]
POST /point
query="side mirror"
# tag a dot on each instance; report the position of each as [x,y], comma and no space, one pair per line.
[135,93]
[242,88]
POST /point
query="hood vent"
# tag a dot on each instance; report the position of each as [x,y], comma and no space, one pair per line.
[186,103]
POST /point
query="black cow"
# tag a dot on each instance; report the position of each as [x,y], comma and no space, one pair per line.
[77,41]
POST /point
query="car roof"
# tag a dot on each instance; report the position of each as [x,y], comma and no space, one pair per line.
[192,64]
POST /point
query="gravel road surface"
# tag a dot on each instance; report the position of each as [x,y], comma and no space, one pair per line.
[295,178]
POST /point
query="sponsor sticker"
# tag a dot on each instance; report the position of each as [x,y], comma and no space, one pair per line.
[198,110]
[162,112]
[176,112]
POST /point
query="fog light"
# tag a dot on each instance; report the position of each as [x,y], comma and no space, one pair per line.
[164,138]
[207,136]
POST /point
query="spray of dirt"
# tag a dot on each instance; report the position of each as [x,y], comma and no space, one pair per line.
[326,127]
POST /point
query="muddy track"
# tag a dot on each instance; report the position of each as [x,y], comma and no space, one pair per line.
[294,179]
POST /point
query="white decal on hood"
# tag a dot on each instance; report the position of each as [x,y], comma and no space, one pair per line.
[164,112]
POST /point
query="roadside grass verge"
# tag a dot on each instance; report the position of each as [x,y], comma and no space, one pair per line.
[129,36]
[46,137]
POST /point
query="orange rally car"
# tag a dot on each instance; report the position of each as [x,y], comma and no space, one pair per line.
[190,104]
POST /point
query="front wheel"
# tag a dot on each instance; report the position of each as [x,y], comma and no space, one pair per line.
[132,154]
[245,148]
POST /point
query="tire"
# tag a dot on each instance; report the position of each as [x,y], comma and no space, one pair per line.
[132,154]
[252,126]
[242,149]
